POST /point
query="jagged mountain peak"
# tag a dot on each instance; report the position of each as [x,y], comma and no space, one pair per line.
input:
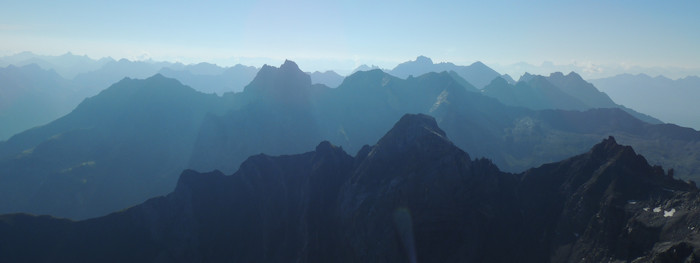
[479,64]
[526,77]
[413,132]
[287,77]
[289,65]
[572,76]
[412,126]
[557,74]
[424,60]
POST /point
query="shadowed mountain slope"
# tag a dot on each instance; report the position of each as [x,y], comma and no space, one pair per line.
[413,196]
[359,110]
[114,150]
[130,142]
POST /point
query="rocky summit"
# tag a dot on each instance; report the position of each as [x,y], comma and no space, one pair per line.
[412,197]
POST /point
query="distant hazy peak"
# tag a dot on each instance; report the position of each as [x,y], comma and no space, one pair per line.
[557,74]
[424,60]
[500,81]
[526,77]
[286,83]
[479,64]
[289,66]
[508,78]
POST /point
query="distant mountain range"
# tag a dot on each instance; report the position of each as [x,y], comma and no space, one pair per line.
[414,196]
[328,78]
[231,79]
[35,93]
[670,100]
[31,96]
[558,91]
[129,142]
[66,65]
[477,73]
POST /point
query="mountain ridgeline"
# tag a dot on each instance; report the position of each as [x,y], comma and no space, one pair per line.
[670,100]
[130,142]
[558,91]
[414,196]
[114,150]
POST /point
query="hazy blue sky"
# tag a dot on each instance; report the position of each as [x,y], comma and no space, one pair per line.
[343,34]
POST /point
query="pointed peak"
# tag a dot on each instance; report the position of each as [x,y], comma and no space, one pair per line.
[526,77]
[609,148]
[290,65]
[478,64]
[424,60]
[413,134]
[610,141]
[573,74]
[283,82]
[411,127]
[325,146]
[158,76]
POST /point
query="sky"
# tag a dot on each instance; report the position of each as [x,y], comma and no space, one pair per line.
[341,35]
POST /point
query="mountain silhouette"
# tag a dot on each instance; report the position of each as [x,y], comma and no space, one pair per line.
[413,196]
[32,96]
[276,116]
[669,100]
[130,141]
[328,78]
[558,91]
[477,73]
[363,106]
[114,150]
[67,65]
[211,78]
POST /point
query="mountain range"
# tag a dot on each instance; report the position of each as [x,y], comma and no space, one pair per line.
[129,142]
[670,100]
[557,91]
[35,93]
[31,96]
[328,78]
[114,150]
[67,65]
[477,73]
[414,196]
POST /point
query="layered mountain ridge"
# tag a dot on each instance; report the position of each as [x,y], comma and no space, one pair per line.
[83,164]
[412,196]
[556,91]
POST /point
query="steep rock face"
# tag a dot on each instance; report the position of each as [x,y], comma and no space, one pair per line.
[591,208]
[413,196]
[438,206]
[275,116]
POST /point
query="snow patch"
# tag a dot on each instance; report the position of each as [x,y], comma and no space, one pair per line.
[670,212]
[632,202]
[646,209]
[657,209]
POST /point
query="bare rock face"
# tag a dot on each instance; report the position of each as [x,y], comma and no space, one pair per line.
[414,196]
